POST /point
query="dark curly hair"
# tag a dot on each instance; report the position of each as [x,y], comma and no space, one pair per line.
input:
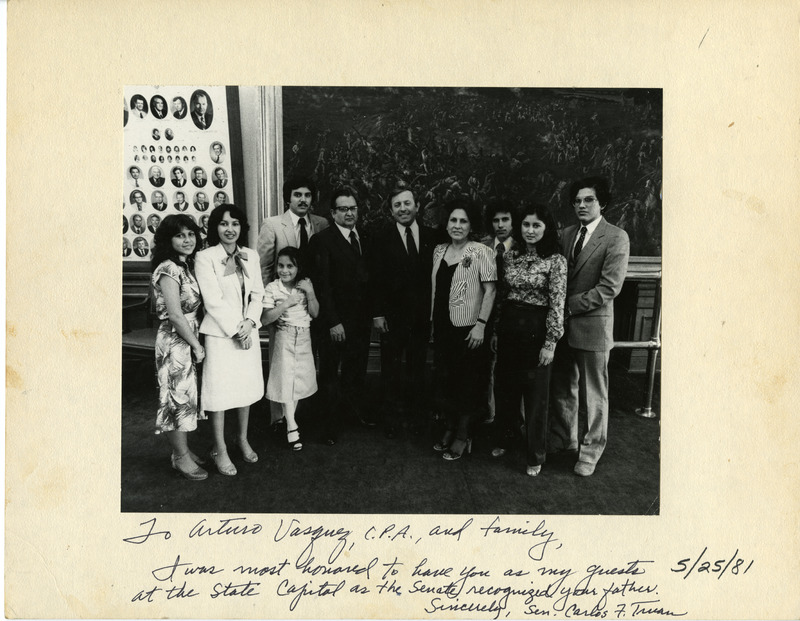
[297,182]
[598,184]
[550,243]
[472,211]
[162,240]
[237,213]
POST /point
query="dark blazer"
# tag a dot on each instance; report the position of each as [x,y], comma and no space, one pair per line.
[593,281]
[340,278]
[401,291]
[159,206]
[158,182]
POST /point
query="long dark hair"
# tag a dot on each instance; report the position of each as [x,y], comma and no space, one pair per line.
[162,240]
[549,244]
[237,213]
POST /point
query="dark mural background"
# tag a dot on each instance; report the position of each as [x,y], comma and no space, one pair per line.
[482,143]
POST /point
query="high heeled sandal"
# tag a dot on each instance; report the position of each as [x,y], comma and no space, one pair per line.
[443,444]
[250,456]
[228,471]
[198,474]
[451,454]
[295,444]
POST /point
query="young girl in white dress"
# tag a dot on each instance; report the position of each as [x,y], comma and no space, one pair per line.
[291,303]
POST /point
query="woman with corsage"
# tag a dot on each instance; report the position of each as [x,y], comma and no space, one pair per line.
[230,281]
[178,349]
[463,282]
[530,322]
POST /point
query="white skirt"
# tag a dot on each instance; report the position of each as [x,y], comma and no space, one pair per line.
[292,375]
[232,376]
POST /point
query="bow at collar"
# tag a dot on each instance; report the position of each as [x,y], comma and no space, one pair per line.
[234,262]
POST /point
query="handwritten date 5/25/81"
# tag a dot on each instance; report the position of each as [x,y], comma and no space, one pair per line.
[734,565]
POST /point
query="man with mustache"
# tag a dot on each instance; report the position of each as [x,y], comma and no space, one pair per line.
[294,228]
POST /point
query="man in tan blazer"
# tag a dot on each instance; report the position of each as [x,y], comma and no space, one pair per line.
[278,232]
[597,253]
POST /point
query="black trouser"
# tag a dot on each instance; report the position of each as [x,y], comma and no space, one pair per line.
[462,374]
[345,394]
[404,385]
[518,375]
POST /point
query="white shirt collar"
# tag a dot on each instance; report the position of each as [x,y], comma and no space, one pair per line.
[507,243]
[346,232]
[591,226]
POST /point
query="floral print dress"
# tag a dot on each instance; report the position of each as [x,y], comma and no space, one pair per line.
[177,375]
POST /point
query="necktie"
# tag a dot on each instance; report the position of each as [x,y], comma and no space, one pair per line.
[202,121]
[501,249]
[354,243]
[579,245]
[411,246]
[303,233]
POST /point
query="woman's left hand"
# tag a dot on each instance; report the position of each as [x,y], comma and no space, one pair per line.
[475,337]
[244,328]
[545,356]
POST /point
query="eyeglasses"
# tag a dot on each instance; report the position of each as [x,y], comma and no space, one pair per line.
[347,209]
[589,200]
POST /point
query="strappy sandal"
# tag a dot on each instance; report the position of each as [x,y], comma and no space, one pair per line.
[295,444]
[229,470]
[198,474]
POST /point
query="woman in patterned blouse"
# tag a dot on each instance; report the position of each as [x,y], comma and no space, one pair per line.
[530,322]
[178,348]
[463,280]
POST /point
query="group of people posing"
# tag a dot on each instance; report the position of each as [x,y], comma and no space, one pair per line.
[504,313]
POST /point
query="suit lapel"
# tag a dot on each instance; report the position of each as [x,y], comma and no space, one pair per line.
[593,244]
[288,229]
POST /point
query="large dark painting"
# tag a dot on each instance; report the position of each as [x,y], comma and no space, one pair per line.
[517,143]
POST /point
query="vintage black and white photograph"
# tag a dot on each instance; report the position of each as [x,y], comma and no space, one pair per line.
[451,304]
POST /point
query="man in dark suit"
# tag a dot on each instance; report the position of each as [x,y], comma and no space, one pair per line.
[220,177]
[200,201]
[340,256]
[178,107]
[140,248]
[159,204]
[178,177]
[597,253]
[200,113]
[199,177]
[401,275]
[152,223]
[181,203]
[155,177]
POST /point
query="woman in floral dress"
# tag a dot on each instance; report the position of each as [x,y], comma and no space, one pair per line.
[178,349]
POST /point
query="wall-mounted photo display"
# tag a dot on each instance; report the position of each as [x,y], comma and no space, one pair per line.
[220,177]
[158,107]
[179,201]
[140,247]
[137,223]
[185,139]
[157,201]
[217,152]
[199,178]
[137,199]
[139,107]
[220,198]
[200,201]
[156,176]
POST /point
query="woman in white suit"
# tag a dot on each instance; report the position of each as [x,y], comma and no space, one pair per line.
[229,276]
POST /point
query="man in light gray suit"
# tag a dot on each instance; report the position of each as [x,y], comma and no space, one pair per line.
[294,228]
[597,253]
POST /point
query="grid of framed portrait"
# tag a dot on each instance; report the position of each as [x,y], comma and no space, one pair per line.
[176,160]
